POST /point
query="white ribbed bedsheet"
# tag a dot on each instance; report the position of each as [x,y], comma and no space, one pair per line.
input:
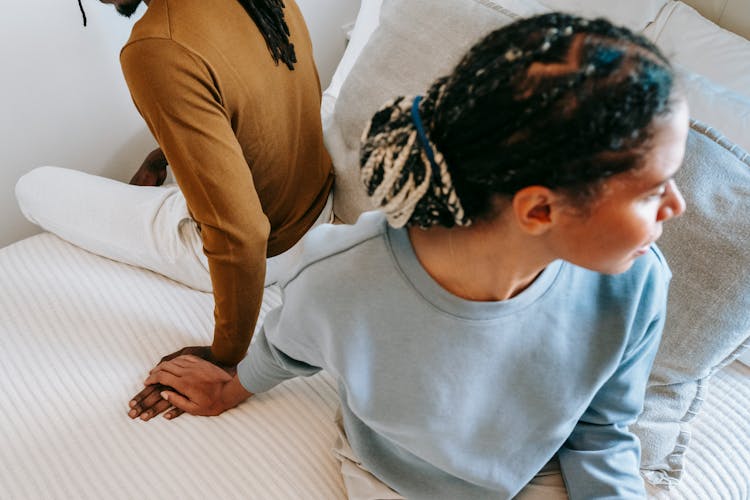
[77,335]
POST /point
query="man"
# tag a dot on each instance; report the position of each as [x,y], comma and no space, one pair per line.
[230,91]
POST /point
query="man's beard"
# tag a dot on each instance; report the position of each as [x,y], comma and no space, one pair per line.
[129,8]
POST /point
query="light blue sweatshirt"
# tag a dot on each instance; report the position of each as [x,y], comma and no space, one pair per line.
[448,398]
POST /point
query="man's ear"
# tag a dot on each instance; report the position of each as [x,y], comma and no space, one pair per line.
[533,209]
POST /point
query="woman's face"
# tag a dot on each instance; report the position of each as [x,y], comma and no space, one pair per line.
[628,214]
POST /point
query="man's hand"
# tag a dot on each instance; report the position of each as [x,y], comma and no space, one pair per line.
[200,387]
[148,403]
[153,171]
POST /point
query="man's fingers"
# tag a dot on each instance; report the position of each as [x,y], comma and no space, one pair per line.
[173,413]
[135,404]
[156,409]
[179,401]
[145,392]
[145,403]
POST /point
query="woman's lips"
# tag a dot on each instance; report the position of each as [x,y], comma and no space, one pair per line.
[643,250]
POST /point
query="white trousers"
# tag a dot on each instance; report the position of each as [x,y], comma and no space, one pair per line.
[142,226]
[361,484]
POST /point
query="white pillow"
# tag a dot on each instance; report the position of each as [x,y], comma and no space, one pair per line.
[693,41]
[635,14]
[367,20]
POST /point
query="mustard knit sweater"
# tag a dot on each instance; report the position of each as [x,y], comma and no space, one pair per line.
[243,137]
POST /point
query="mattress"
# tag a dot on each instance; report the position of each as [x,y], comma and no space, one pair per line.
[717,463]
[78,333]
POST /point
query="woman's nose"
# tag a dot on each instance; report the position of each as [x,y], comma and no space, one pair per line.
[674,205]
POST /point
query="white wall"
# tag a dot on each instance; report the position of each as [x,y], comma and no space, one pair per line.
[63,100]
[325,19]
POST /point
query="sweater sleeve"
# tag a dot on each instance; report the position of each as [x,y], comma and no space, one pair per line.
[266,366]
[601,457]
[290,342]
[177,96]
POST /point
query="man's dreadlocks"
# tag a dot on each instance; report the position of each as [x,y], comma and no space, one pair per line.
[269,17]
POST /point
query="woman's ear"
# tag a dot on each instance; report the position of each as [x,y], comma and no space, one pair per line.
[533,209]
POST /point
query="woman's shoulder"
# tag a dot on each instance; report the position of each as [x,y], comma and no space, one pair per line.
[647,281]
[653,264]
[340,242]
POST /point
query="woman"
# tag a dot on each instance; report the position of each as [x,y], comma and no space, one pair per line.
[508,330]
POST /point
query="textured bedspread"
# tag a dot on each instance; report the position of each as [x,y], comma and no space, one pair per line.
[78,333]
[718,460]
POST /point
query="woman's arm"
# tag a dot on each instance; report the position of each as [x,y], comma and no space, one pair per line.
[202,388]
[601,458]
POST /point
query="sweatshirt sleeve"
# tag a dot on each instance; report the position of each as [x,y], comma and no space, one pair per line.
[177,96]
[290,341]
[266,366]
[601,457]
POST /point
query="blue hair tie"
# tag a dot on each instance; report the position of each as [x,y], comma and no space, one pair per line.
[423,141]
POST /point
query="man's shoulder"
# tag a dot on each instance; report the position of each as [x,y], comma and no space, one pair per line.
[164,36]
[153,24]
[188,22]
[338,242]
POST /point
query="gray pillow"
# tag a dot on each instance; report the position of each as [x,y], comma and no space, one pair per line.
[416,42]
[708,324]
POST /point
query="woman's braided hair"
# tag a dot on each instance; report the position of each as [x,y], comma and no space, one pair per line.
[554,100]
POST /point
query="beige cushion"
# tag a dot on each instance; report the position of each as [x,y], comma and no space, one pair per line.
[696,43]
[416,42]
[719,107]
[707,316]
[635,14]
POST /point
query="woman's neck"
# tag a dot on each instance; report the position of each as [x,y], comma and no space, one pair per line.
[487,261]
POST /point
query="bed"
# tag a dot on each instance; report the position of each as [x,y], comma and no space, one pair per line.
[78,332]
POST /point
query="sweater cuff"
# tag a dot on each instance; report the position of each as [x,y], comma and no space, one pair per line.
[260,371]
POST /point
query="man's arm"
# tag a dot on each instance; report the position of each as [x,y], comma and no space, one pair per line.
[601,458]
[176,95]
[202,387]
